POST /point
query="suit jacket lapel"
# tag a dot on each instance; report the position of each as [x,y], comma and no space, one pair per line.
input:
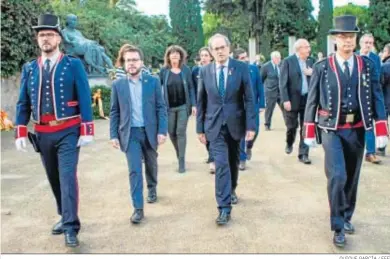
[144,93]
[126,91]
[298,66]
[230,74]
[214,75]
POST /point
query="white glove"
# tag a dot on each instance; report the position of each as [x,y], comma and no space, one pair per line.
[381,141]
[84,140]
[311,142]
[21,144]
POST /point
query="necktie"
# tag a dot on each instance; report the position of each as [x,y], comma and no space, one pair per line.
[276,69]
[221,86]
[46,68]
[346,70]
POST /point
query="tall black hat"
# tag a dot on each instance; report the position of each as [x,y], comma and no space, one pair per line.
[48,22]
[345,23]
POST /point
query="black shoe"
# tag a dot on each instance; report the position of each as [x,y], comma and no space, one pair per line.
[248,154]
[288,149]
[267,128]
[242,165]
[223,218]
[152,196]
[234,198]
[305,159]
[137,216]
[182,165]
[57,228]
[339,238]
[349,228]
[208,160]
[71,239]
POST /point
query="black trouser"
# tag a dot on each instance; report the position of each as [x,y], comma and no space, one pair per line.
[344,151]
[292,119]
[60,156]
[271,101]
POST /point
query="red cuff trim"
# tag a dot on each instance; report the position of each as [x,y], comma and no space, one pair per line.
[21,131]
[309,130]
[381,128]
[87,129]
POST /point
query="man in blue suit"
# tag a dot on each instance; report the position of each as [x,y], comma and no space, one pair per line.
[225,114]
[138,124]
[258,97]
[366,43]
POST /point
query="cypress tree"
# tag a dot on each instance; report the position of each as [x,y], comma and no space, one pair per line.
[325,20]
[186,22]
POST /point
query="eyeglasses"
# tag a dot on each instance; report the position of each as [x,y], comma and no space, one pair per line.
[48,35]
[132,60]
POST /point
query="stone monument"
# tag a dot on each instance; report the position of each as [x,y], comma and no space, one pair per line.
[96,61]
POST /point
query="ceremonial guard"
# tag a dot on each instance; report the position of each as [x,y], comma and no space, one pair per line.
[346,96]
[55,92]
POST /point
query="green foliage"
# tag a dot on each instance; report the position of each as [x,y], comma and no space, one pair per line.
[18,43]
[271,22]
[186,24]
[106,99]
[379,22]
[361,12]
[325,23]
[232,26]
[113,27]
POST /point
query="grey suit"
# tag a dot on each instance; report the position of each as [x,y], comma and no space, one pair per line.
[270,78]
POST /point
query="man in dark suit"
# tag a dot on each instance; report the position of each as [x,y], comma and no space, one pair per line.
[225,113]
[270,73]
[258,97]
[295,75]
[138,124]
[366,43]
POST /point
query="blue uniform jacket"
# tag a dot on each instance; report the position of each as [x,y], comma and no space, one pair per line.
[325,91]
[70,90]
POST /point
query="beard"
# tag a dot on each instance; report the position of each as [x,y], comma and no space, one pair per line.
[133,71]
[48,48]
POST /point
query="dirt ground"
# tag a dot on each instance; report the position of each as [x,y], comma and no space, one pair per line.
[283,205]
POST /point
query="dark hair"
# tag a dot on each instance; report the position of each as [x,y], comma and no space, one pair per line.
[120,61]
[172,49]
[237,52]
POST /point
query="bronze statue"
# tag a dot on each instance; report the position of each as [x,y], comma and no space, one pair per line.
[90,51]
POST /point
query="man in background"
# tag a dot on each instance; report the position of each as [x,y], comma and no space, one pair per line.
[270,73]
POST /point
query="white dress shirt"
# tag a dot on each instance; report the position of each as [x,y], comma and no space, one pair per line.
[53,60]
[341,61]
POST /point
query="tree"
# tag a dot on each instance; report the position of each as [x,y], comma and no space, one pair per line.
[186,24]
[361,12]
[325,22]
[379,22]
[271,22]
[232,27]
[18,43]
